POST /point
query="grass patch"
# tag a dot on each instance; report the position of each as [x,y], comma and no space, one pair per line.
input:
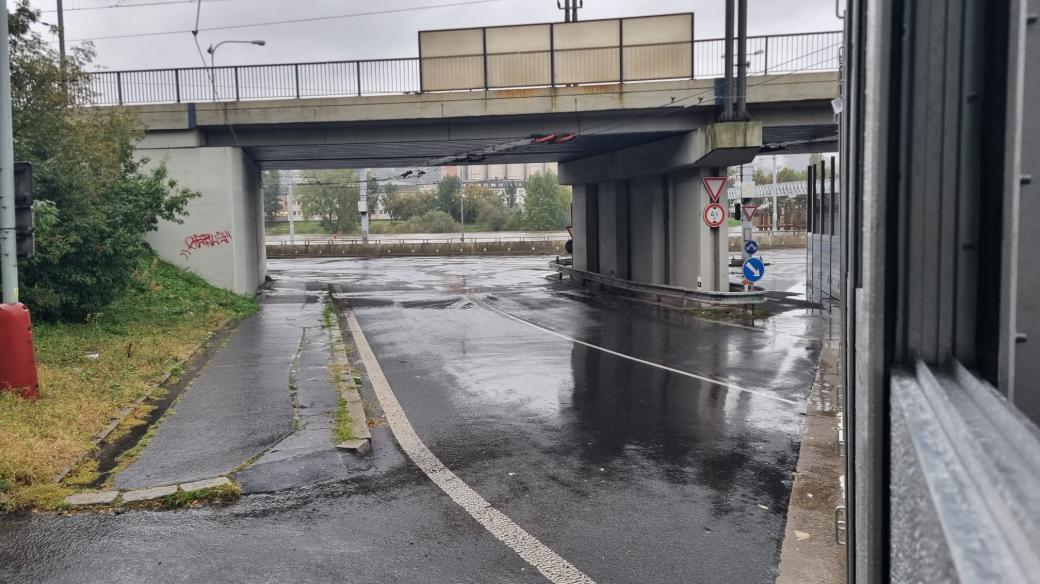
[343,430]
[190,498]
[91,371]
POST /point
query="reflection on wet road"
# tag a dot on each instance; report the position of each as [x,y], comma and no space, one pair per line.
[647,467]
[623,468]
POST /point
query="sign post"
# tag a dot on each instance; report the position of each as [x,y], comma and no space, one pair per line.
[715,217]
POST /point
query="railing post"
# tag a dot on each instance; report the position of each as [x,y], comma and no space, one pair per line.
[765,67]
[621,50]
[119,86]
[693,52]
[236,83]
[296,75]
[357,70]
[552,55]
[483,32]
[177,83]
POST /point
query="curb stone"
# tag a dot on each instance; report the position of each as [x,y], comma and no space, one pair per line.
[362,444]
[110,498]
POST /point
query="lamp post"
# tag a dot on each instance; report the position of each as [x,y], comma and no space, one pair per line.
[212,50]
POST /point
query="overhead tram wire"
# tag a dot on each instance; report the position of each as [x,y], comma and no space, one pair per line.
[290,21]
[139,5]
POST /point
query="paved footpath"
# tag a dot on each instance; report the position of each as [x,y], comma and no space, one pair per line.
[634,444]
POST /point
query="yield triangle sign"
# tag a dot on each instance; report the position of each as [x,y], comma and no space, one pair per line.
[749,210]
[714,184]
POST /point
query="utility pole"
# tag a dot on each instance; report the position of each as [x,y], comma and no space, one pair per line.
[61,32]
[570,9]
[462,213]
[742,60]
[291,203]
[17,354]
[776,211]
[727,91]
[363,205]
[8,220]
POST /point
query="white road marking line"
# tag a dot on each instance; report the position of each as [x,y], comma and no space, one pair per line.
[534,552]
[719,382]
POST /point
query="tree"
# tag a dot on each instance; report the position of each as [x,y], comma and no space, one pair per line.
[272,189]
[373,192]
[447,195]
[477,198]
[95,199]
[511,199]
[387,196]
[331,196]
[403,205]
[546,204]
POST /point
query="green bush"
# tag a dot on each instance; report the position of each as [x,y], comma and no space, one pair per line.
[95,201]
[431,222]
[494,218]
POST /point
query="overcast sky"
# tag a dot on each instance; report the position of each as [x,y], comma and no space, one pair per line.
[330,35]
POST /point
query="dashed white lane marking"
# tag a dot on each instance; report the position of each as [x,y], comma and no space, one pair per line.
[726,384]
[534,552]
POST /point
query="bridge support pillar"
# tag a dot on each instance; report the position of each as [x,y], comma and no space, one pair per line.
[222,238]
[638,213]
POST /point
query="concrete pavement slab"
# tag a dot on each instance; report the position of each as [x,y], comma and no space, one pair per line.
[239,405]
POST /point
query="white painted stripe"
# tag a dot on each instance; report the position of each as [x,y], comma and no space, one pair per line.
[719,382]
[534,552]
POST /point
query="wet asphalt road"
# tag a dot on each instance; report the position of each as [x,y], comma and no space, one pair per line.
[631,472]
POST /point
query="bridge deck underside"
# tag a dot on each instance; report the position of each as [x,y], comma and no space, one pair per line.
[497,150]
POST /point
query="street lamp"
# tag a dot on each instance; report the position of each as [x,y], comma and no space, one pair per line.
[212,50]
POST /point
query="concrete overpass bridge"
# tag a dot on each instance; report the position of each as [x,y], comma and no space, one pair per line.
[634,152]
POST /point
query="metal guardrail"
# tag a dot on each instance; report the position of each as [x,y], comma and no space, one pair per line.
[419,241]
[769,54]
[658,291]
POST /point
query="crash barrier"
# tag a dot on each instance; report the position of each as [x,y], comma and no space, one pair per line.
[674,295]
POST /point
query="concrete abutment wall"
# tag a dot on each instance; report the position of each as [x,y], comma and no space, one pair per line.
[222,238]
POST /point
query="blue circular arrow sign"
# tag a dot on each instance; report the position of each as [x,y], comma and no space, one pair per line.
[754,269]
[751,247]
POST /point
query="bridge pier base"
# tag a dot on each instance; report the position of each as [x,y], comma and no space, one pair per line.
[222,238]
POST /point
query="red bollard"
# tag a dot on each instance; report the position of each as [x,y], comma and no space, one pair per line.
[17,357]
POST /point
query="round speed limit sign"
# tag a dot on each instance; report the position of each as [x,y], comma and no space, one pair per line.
[714,215]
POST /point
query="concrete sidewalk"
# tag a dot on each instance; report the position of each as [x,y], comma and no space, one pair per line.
[247,402]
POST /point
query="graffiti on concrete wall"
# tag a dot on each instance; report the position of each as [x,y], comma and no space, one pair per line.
[197,241]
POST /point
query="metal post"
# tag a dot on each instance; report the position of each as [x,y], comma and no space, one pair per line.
[765,67]
[776,211]
[363,189]
[484,51]
[8,236]
[552,56]
[177,84]
[61,32]
[292,209]
[742,61]
[236,83]
[727,92]
[357,71]
[119,86]
[296,76]
[621,50]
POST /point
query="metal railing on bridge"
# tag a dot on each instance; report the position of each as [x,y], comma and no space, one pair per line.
[770,54]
